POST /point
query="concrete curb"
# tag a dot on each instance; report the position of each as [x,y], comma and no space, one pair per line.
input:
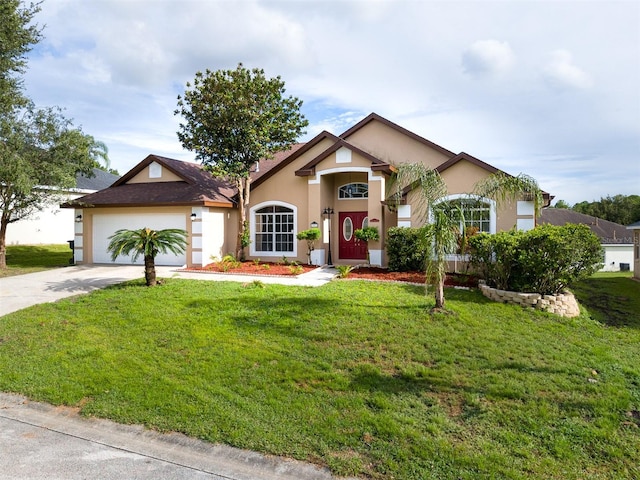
[183,456]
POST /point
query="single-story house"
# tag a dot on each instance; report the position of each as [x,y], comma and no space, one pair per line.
[615,239]
[335,182]
[635,227]
[53,225]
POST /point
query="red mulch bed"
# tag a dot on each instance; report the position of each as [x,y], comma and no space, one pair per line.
[374,273]
[253,268]
[362,273]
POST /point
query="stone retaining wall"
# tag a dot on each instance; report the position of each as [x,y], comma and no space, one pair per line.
[564,304]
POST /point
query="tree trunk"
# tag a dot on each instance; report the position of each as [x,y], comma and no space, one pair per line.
[439,289]
[150,270]
[244,191]
[440,295]
[3,243]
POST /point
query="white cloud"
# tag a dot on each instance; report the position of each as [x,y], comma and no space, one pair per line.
[488,57]
[117,66]
[560,72]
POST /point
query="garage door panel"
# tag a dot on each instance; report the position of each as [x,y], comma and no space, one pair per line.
[106,225]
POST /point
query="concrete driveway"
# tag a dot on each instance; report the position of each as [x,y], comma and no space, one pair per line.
[22,291]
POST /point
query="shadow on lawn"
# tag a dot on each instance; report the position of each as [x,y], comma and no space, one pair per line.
[28,256]
[612,301]
[290,316]
[84,285]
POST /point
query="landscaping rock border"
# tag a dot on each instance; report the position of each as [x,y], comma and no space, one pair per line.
[564,304]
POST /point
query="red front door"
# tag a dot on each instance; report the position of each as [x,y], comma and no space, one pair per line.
[349,247]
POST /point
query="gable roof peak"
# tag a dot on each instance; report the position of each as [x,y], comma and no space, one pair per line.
[187,171]
[379,118]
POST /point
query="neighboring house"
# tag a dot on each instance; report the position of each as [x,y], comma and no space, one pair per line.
[616,240]
[335,182]
[54,225]
[635,228]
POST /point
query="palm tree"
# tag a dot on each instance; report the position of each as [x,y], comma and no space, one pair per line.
[447,223]
[149,243]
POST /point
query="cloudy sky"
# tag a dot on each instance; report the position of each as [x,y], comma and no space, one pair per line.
[546,88]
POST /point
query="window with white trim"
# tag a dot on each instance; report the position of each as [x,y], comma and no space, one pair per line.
[353,190]
[478,213]
[274,229]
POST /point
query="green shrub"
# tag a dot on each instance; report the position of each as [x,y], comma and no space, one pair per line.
[344,270]
[545,260]
[295,268]
[406,249]
[310,236]
[367,234]
[228,262]
[493,257]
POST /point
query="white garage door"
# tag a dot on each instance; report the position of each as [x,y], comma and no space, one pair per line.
[106,225]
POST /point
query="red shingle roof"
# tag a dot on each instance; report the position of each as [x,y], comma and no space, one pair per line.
[197,187]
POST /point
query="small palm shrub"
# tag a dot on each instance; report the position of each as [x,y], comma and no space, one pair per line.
[344,270]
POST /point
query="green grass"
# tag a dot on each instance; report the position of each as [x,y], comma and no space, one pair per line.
[355,375]
[611,297]
[23,259]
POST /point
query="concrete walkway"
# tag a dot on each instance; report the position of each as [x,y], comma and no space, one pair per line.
[39,441]
[22,291]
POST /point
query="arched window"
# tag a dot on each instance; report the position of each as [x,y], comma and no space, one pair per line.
[273,230]
[353,190]
[479,213]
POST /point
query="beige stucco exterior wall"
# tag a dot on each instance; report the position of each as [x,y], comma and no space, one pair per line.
[311,195]
[391,145]
[462,178]
[146,176]
[287,188]
[231,231]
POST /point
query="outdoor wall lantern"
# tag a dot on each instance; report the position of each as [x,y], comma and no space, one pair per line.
[328,212]
[78,218]
[314,224]
[193,217]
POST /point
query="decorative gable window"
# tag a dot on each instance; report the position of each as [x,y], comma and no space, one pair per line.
[155,170]
[354,190]
[273,230]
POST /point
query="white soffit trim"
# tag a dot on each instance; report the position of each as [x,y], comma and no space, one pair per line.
[370,176]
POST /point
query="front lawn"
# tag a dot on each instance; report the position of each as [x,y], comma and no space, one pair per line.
[23,259]
[355,375]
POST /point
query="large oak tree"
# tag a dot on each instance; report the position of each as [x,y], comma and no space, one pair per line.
[233,119]
[17,37]
[40,151]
